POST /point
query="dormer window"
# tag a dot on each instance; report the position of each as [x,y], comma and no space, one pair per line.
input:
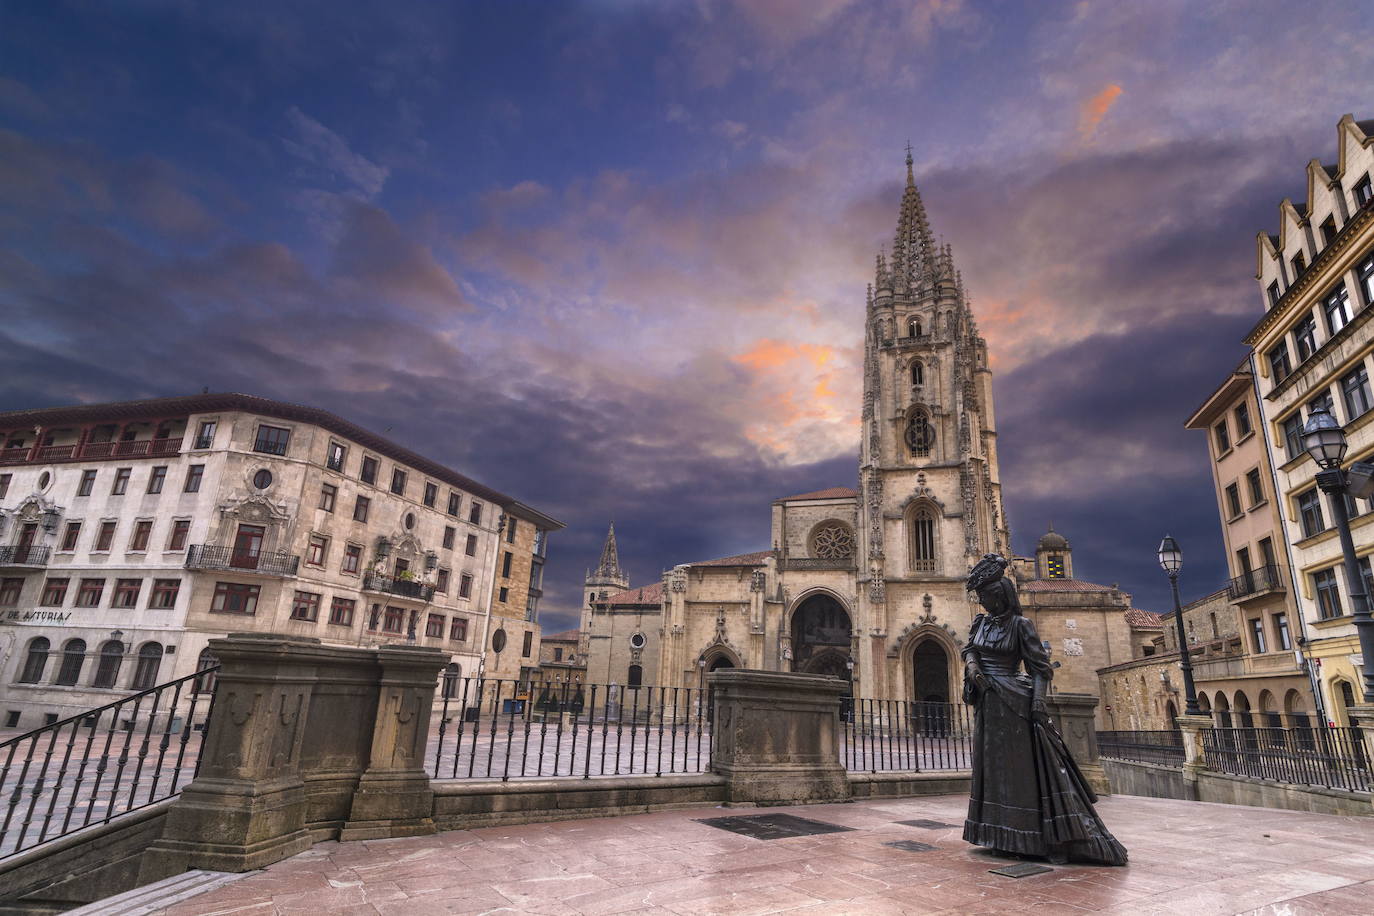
[1274,294]
[1299,264]
[1364,191]
[1328,230]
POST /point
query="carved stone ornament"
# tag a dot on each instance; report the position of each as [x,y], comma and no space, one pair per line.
[757,581]
[678,580]
[833,541]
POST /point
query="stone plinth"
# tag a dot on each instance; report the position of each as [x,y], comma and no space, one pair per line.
[777,737]
[1073,714]
[1193,761]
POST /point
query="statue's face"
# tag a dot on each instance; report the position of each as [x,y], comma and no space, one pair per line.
[993,598]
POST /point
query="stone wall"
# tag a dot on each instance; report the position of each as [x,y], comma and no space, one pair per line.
[1157,781]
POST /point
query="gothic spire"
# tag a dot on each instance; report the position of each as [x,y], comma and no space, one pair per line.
[609,567]
[913,249]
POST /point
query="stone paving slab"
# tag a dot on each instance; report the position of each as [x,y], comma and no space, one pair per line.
[1186,858]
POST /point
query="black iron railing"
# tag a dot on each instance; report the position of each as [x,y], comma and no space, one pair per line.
[23,556]
[1321,756]
[898,735]
[406,588]
[92,767]
[507,729]
[261,562]
[1164,746]
[1256,582]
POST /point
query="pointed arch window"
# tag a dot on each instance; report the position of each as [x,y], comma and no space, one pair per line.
[73,658]
[913,328]
[922,538]
[920,435]
[918,373]
[35,661]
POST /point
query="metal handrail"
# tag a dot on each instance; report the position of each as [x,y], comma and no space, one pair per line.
[30,555]
[264,562]
[1261,579]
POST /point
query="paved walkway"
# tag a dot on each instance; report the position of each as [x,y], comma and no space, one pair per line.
[1186,858]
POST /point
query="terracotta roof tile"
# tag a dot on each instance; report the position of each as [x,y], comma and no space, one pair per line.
[648,594]
[1144,620]
[1062,585]
[830,493]
[742,559]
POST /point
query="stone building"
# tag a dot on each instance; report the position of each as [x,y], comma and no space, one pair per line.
[867,584]
[1313,345]
[559,661]
[135,532]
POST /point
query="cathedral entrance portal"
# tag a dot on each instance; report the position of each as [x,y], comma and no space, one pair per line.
[931,714]
[821,637]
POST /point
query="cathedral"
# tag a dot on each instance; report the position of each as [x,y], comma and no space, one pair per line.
[867,584]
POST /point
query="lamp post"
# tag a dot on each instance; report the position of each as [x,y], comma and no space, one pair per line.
[1325,441]
[1171,560]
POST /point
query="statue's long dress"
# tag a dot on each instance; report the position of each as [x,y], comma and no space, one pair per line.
[1028,795]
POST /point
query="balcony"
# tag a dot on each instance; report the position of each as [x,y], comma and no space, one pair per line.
[23,557]
[91,451]
[405,588]
[1257,583]
[260,563]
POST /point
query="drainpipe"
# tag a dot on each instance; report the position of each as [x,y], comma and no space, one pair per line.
[491,597]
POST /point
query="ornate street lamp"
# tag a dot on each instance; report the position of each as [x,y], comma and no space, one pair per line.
[1325,441]
[1171,561]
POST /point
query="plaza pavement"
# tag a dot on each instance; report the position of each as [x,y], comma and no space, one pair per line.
[1186,858]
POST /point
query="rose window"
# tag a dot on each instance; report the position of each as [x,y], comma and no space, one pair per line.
[833,542]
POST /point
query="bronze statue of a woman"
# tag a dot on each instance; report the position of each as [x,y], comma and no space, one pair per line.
[1028,796]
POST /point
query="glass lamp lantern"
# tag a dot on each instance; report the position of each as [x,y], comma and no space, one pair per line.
[1324,438]
[1170,555]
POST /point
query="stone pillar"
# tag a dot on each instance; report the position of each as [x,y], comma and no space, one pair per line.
[777,738]
[1193,762]
[1074,715]
[393,797]
[1362,716]
[246,808]
[338,735]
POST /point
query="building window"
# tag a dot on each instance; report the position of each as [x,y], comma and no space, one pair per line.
[368,472]
[505,564]
[272,440]
[503,594]
[143,531]
[528,646]
[1274,294]
[360,509]
[262,479]
[104,537]
[316,550]
[510,530]
[558,654]
[635,676]
[149,661]
[70,536]
[393,619]
[920,436]
[1292,437]
[1252,480]
[352,558]
[1305,336]
[449,534]
[235,598]
[1328,594]
[441,581]
[157,478]
[87,483]
[35,660]
[1328,230]
[126,592]
[918,373]
[1310,510]
[5,484]
[181,530]
[328,494]
[206,682]
[453,672]
[1366,274]
[1367,577]
[9,591]
[73,659]
[398,481]
[923,554]
[1364,191]
[305,606]
[334,457]
[194,473]
[107,669]
[1281,629]
[1233,500]
[1054,566]
[541,541]
[455,502]
[470,548]
[1299,264]
[1223,438]
[465,586]
[121,481]
[1337,308]
[205,437]
[341,611]
[1279,365]
[89,593]
[475,513]
[1257,635]
[434,625]
[1243,427]
[1355,391]
[164,596]
[458,629]
[54,592]
[431,494]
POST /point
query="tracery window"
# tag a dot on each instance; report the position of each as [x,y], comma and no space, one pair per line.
[918,373]
[920,436]
[923,554]
[833,541]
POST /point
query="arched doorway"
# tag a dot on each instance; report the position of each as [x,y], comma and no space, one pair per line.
[1223,708]
[820,637]
[930,672]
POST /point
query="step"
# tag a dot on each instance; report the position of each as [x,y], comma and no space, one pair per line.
[159,895]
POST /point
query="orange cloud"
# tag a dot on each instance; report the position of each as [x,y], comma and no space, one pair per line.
[1092,111]
[767,354]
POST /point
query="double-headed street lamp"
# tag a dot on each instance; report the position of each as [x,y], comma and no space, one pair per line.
[1171,559]
[1325,441]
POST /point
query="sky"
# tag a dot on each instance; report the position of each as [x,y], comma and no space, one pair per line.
[610,256]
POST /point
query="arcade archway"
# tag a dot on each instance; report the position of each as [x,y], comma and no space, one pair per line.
[821,632]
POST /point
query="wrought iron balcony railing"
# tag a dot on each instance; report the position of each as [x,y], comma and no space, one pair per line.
[259,562]
[23,556]
[1257,582]
[406,588]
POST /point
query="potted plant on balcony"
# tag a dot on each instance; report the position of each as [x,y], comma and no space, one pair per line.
[406,575]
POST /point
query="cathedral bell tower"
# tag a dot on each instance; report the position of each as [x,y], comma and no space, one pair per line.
[930,495]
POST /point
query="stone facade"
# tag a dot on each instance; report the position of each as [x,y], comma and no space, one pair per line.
[1315,341]
[516,589]
[203,515]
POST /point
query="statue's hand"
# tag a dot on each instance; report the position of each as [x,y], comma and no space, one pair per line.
[1039,710]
